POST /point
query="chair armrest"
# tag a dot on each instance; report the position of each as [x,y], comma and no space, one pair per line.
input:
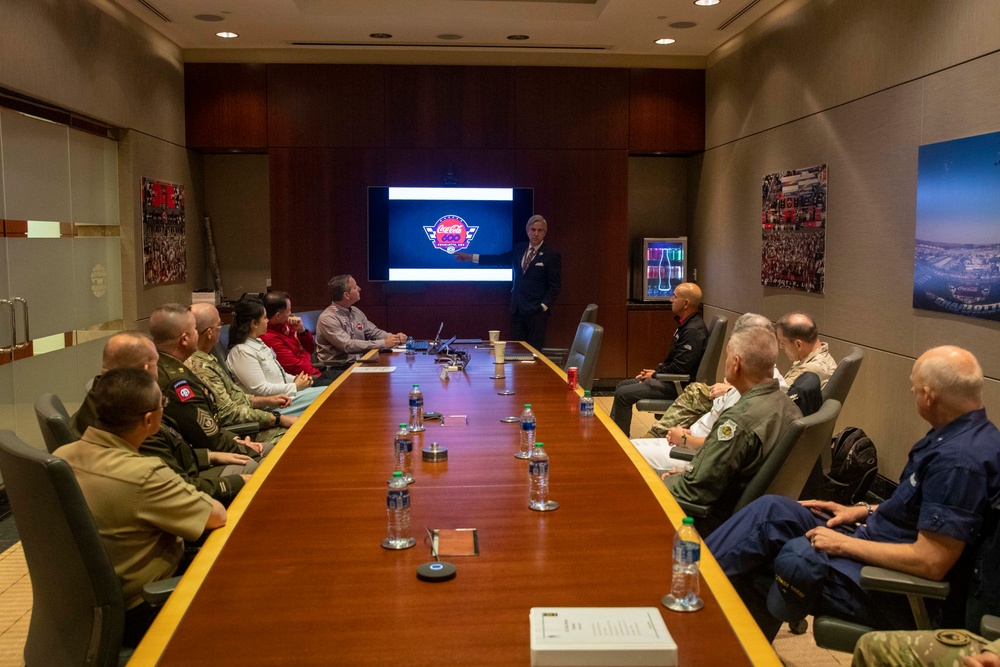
[657,405]
[156,593]
[672,377]
[889,581]
[989,627]
[683,453]
[693,509]
[248,428]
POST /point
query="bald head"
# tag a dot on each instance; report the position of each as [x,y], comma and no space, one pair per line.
[798,336]
[687,299]
[130,349]
[208,322]
[173,330]
[947,380]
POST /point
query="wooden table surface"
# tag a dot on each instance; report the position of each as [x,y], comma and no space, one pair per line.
[298,576]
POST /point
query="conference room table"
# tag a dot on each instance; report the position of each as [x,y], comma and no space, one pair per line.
[298,575]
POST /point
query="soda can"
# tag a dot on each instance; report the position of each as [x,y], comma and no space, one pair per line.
[571,377]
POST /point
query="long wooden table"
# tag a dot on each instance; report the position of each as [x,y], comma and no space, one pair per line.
[298,576]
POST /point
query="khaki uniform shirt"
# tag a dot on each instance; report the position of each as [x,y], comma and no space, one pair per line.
[735,449]
[819,362]
[142,508]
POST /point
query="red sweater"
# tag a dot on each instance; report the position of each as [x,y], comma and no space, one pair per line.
[293,351]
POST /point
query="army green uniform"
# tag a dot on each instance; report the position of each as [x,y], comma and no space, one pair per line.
[233,405]
[192,407]
[734,451]
[167,444]
[688,408]
[921,648]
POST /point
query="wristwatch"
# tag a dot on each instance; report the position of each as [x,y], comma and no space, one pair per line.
[871,510]
[277,417]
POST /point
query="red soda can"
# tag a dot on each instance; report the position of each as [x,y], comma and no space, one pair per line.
[571,377]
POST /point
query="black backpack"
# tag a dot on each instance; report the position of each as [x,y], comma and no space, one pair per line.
[853,466]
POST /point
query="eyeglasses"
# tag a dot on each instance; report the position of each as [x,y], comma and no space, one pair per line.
[214,326]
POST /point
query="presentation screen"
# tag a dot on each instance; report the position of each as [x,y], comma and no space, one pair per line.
[414,233]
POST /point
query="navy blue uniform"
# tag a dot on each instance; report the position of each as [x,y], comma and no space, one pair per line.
[946,488]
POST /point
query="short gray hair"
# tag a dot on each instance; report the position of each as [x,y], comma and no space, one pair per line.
[338,285]
[757,348]
[537,218]
[747,320]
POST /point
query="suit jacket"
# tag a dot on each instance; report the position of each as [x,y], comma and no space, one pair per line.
[540,284]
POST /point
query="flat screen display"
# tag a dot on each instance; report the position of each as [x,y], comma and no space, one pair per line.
[414,232]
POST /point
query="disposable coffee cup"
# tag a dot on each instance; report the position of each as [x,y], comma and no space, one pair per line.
[499,348]
[494,336]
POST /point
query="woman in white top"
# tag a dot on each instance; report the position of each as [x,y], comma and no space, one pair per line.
[255,366]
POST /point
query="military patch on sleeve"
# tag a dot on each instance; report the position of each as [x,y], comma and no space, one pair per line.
[727,430]
[183,390]
[207,423]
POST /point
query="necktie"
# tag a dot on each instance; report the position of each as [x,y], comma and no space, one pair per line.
[528,256]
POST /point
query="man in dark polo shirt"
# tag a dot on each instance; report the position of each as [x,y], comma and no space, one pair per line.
[684,357]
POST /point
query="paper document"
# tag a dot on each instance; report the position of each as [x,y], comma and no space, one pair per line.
[632,636]
[374,369]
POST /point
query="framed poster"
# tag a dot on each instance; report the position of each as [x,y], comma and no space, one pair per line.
[164,245]
[793,223]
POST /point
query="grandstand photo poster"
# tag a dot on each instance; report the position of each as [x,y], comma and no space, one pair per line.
[956,266]
[793,222]
[164,245]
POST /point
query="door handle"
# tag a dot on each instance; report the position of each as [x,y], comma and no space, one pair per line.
[27,336]
[13,336]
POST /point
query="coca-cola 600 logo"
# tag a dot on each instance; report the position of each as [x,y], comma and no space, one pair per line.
[451,234]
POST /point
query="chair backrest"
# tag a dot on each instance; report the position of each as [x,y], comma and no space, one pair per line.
[788,465]
[709,365]
[584,352]
[839,384]
[309,319]
[78,611]
[219,350]
[589,314]
[54,422]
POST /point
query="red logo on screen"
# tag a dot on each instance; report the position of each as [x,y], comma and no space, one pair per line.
[451,234]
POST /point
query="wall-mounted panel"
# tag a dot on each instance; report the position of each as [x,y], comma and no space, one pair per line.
[567,107]
[470,168]
[319,212]
[326,105]
[450,107]
[35,168]
[666,110]
[93,169]
[225,105]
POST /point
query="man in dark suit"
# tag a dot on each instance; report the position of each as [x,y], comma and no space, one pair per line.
[537,281]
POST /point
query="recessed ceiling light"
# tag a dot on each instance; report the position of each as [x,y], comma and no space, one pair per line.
[517,38]
[683,25]
[380,35]
[208,17]
[665,40]
[450,36]
[706,3]
[226,35]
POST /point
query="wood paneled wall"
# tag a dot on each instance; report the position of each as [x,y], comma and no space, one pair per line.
[333,130]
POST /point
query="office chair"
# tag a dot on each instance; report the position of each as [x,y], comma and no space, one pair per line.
[707,368]
[558,354]
[78,612]
[584,352]
[785,468]
[54,422]
[309,319]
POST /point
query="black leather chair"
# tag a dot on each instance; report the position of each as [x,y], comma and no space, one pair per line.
[558,355]
[785,468]
[584,352]
[78,612]
[309,319]
[54,422]
[706,372]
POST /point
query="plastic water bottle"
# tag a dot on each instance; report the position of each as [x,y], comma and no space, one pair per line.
[416,409]
[527,433]
[685,586]
[587,404]
[409,347]
[538,476]
[402,446]
[398,507]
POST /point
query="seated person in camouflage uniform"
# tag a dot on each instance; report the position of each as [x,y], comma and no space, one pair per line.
[143,510]
[735,449]
[219,474]
[798,337]
[189,402]
[233,405]
[925,648]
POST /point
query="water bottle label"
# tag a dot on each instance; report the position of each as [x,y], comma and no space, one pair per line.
[527,426]
[538,468]
[417,402]
[398,499]
[404,444]
[687,552]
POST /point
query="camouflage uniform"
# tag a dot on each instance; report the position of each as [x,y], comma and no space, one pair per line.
[688,408]
[233,405]
[931,648]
